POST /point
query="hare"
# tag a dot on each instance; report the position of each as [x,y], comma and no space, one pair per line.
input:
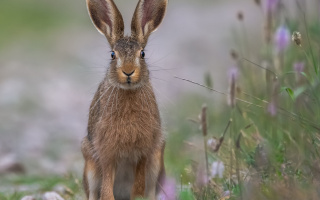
[124,148]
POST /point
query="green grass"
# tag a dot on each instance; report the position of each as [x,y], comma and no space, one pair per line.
[35,19]
[22,185]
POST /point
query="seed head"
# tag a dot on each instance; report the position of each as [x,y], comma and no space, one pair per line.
[270,77]
[258,2]
[240,15]
[296,38]
[234,54]
[233,73]
[213,144]
[203,119]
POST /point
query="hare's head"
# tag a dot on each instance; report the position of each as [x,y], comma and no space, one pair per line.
[128,68]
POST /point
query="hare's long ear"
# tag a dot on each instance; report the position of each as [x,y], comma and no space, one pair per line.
[147,18]
[107,19]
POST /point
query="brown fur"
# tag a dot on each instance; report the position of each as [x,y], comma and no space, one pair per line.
[124,148]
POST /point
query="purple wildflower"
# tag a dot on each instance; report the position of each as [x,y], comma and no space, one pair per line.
[272,109]
[298,67]
[233,73]
[282,39]
[217,169]
[168,189]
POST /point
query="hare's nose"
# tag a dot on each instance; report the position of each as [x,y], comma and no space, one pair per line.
[128,74]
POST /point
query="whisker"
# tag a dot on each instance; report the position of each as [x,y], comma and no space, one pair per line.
[159,79]
[161,69]
[117,97]
[165,70]
[142,101]
[107,103]
[100,98]
[172,81]
[160,59]
[113,99]
[146,102]
[162,94]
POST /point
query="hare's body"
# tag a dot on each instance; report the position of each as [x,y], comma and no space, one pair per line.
[127,120]
[123,126]
[124,147]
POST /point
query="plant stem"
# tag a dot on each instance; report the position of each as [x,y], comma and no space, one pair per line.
[206,156]
[204,127]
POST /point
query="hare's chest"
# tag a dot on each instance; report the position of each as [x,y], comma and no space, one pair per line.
[135,127]
[134,118]
[131,129]
[129,126]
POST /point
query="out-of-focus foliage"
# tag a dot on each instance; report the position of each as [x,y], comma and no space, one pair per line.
[35,19]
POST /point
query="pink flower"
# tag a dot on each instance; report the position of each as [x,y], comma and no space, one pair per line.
[168,189]
[272,109]
[202,178]
[282,39]
[233,73]
[271,5]
[298,67]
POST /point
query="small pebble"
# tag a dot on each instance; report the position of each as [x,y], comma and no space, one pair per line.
[10,164]
[51,196]
[28,198]
[61,189]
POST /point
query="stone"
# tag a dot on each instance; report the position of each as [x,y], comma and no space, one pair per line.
[51,196]
[28,198]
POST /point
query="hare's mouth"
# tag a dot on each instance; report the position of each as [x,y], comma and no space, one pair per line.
[129,80]
[129,85]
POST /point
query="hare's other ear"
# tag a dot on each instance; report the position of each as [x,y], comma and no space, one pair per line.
[107,19]
[147,18]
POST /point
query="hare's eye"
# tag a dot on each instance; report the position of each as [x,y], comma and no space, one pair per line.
[113,55]
[142,54]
